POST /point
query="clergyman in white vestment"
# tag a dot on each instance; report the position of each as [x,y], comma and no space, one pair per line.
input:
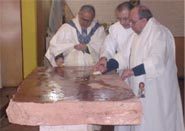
[117,39]
[152,61]
[78,42]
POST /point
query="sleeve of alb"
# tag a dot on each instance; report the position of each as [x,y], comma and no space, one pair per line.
[59,56]
[139,70]
[112,64]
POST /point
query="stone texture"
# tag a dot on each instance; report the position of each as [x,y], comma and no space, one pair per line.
[73,96]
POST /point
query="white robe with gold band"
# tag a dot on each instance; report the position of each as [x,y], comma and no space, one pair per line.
[162,108]
[65,39]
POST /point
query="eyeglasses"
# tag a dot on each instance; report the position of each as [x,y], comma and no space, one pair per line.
[85,20]
[133,22]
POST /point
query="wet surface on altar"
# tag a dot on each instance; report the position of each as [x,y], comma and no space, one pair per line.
[71,84]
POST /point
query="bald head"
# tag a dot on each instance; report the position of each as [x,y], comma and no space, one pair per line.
[143,12]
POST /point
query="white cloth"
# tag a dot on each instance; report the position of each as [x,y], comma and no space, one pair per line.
[65,39]
[67,128]
[117,41]
[162,106]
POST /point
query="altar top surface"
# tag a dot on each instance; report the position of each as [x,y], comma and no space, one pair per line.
[45,85]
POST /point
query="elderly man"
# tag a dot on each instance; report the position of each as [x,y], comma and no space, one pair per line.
[78,42]
[152,62]
[117,40]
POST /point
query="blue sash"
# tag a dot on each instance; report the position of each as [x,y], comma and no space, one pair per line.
[81,38]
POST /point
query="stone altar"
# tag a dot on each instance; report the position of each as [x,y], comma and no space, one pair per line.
[73,96]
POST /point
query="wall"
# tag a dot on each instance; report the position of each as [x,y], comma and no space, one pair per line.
[43,10]
[29,35]
[10,42]
[104,8]
[168,12]
[0,57]
[0,72]
[179,41]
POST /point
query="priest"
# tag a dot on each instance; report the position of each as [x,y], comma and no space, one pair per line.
[78,42]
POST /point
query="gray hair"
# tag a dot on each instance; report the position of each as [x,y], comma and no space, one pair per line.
[88,8]
[144,12]
[125,5]
[135,2]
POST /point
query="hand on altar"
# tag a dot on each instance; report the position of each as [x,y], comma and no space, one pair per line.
[60,62]
[127,73]
[101,65]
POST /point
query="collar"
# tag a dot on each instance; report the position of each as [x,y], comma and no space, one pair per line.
[76,21]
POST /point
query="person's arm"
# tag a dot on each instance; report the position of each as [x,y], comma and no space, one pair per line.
[109,47]
[113,64]
[101,65]
[59,56]
[139,70]
[59,59]
[155,63]
[136,71]
[82,47]
[62,42]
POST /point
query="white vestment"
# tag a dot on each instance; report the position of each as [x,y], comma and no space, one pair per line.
[162,108]
[65,39]
[117,41]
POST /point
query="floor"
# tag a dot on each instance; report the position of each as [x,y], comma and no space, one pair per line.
[6,126]
[6,94]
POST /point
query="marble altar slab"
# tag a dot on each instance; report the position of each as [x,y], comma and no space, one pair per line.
[73,96]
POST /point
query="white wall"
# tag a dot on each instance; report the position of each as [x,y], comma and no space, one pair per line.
[104,8]
[169,12]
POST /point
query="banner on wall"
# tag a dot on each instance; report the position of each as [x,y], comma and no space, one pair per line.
[56,16]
